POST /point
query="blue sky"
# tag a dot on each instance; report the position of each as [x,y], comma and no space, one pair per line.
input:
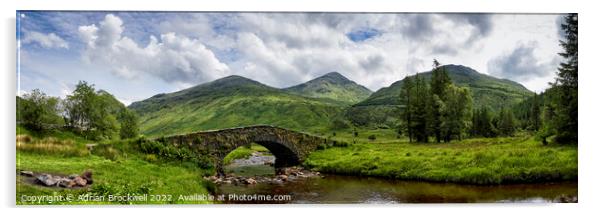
[135,55]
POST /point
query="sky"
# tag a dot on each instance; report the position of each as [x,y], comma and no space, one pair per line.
[135,55]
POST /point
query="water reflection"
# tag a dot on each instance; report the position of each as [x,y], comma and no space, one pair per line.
[349,189]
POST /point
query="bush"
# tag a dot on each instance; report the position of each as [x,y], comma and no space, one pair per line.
[107,151]
[340,144]
[372,137]
[321,147]
[172,153]
[150,158]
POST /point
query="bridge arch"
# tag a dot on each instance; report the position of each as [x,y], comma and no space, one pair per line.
[289,147]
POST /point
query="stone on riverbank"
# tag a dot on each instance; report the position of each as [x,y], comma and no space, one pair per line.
[70,181]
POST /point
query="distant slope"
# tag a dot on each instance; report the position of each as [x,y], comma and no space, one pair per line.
[332,86]
[486,91]
[231,102]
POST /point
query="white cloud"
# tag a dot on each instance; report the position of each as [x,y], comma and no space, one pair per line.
[173,58]
[521,64]
[284,49]
[48,41]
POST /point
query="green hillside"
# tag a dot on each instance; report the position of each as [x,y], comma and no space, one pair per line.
[486,91]
[332,86]
[237,101]
[231,102]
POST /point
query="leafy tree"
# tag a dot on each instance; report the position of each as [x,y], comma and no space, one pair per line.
[564,102]
[90,112]
[80,106]
[129,124]
[456,112]
[36,110]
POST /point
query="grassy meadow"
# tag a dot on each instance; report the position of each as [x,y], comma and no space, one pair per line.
[518,159]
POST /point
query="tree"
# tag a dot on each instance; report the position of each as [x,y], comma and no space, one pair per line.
[414,95]
[482,123]
[406,98]
[129,124]
[456,113]
[80,106]
[506,123]
[440,83]
[535,113]
[564,122]
[90,112]
[37,110]
[420,110]
[549,115]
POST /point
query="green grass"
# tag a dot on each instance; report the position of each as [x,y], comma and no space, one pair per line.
[472,161]
[118,169]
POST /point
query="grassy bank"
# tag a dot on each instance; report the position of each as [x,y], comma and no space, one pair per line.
[474,161]
[117,170]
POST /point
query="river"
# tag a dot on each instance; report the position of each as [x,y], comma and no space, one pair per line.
[352,189]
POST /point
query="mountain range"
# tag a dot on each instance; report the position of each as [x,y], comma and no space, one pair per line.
[311,106]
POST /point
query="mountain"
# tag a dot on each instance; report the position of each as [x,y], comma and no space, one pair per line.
[383,105]
[332,86]
[231,102]
[312,106]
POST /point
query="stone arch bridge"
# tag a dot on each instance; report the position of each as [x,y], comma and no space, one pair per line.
[289,147]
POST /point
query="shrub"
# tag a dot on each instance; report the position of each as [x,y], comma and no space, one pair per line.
[172,153]
[372,137]
[150,158]
[339,144]
[321,147]
[107,151]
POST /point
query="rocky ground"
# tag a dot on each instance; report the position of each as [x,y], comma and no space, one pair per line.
[287,174]
[48,180]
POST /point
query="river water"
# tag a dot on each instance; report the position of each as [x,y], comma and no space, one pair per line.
[352,189]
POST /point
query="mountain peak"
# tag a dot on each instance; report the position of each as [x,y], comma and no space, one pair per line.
[231,78]
[333,78]
[232,81]
[332,86]
[334,74]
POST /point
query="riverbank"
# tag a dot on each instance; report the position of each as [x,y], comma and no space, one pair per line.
[472,161]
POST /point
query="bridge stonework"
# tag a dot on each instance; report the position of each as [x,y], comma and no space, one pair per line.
[289,147]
